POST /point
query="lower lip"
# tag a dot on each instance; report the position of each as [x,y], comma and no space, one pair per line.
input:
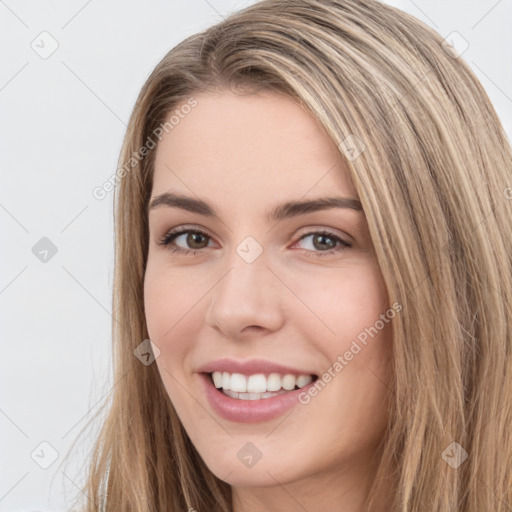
[249,411]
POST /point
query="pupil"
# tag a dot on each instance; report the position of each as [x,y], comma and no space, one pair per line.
[192,238]
[323,237]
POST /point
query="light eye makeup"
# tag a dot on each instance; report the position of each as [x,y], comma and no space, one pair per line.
[190,235]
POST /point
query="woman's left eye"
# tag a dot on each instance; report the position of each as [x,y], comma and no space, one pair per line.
[319,241]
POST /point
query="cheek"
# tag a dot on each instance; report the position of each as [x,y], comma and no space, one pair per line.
[358,354]
[173,306]
[169,300]
[160,300]
[342,303]
[164,306]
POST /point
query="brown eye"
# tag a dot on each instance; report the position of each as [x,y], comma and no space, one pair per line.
[325,243]
[194,240]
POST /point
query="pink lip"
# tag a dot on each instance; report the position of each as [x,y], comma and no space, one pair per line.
[250,367]
[249,411]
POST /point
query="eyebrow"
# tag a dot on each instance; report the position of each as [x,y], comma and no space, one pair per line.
[279,212]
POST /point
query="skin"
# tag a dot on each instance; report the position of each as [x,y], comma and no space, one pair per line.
[245,153]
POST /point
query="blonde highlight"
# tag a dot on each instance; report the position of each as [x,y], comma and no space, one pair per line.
[432,181]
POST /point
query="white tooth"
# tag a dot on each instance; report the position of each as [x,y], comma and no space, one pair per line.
[226,379]
[238,383]
[274,382]
[288,382]
[257,383]
[304,380]
[217,379]
[253,396]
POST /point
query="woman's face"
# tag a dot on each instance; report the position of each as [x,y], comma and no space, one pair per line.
[251,288]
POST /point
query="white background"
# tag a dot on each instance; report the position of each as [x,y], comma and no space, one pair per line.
[61,127]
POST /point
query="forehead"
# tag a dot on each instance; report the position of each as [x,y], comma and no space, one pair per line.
[253,144]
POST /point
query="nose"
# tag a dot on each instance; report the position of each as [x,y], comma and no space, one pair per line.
[247,299]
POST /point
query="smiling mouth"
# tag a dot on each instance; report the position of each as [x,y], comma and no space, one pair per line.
[258,386]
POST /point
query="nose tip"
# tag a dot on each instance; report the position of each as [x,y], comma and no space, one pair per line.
[245,300]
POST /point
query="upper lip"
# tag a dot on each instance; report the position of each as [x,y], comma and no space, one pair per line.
[250,367]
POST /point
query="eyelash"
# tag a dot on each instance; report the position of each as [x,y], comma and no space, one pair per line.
[171,235]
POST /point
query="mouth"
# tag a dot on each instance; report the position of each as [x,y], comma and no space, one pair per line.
[252,406]
[258,386]
[255,390]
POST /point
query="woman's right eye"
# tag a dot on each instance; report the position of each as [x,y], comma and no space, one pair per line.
[193,236]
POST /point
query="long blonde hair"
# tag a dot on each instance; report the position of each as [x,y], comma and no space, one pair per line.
[434,178]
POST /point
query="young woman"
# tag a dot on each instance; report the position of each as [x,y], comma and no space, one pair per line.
[313,274]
